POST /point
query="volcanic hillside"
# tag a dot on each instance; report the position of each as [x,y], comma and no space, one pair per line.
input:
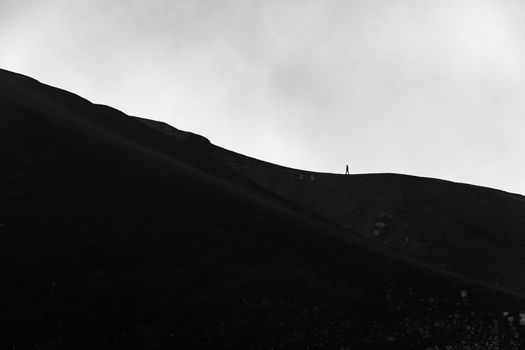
[474,231]
[115,234]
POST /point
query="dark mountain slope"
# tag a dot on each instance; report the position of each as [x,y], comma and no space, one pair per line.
[474,231]
[115,235]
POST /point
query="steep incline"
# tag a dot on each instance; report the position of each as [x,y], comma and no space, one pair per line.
[115,235]
[470,230]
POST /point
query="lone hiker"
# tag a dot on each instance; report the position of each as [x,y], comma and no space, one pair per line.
[347,172]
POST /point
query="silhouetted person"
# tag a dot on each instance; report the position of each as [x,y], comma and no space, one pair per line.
[347,172]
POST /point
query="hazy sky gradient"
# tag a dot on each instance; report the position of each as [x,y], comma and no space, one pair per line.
[430,88]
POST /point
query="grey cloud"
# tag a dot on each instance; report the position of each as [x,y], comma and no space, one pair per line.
[413,86]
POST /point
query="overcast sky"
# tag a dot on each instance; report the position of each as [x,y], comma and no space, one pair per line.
[423,87]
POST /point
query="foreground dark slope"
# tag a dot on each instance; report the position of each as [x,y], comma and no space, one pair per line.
[473,231]
[113,234]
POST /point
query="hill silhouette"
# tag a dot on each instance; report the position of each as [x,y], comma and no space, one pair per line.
[470,230]
[120,232]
